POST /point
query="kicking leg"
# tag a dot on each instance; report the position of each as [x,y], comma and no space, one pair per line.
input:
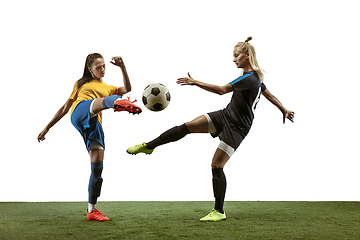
[113,101]
[96,107]
[100,104]
[198,125]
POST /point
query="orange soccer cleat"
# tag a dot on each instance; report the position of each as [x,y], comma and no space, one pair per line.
[96,215]
[126,105]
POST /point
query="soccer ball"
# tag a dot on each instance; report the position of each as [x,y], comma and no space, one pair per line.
[156,97]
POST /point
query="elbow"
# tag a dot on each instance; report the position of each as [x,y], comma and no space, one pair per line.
[222,91]
[128,89]
[64,112]
[270,97]
[65,109]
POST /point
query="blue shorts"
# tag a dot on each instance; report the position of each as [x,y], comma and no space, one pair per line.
[225,130]
[89,128]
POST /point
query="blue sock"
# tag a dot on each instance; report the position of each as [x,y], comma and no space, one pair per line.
[95,181]
[108,102]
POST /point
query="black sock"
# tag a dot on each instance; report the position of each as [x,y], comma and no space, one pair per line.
[219,187]
[171,135]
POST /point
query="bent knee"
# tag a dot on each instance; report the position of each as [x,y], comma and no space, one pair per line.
[217,165]
[198,125]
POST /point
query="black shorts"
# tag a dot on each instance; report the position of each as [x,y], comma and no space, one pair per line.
[226,130]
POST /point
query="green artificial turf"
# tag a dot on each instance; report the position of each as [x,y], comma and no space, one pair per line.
[180,220]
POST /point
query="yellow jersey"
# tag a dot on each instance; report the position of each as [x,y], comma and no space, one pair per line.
[91,90]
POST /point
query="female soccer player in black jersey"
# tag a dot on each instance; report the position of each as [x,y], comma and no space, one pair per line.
[231,124]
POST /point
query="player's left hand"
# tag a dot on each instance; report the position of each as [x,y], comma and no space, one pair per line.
[41,136]
[289,115]
[117,61]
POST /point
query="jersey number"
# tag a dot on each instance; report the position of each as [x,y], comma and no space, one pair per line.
[257,99]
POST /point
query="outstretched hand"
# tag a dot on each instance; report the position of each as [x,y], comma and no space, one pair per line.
[186,81]
[289,115]
[117,61]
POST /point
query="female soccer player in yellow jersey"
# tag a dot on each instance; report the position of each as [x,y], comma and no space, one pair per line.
[89,97]
[230,124]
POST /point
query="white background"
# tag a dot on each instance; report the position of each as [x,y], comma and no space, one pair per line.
[309,50]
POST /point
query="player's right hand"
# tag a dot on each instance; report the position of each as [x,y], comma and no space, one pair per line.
[186,81]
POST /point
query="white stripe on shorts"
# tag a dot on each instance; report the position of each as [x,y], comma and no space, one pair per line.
[226,148]
[96,145]
[211,127]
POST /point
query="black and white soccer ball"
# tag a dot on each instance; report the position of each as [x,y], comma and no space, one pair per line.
[156,97]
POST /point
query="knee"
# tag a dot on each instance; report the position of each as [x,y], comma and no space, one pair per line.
[192,127]
[96,106]
[220,159]
[96,152]
[189,126]
[198,125]
[215,165]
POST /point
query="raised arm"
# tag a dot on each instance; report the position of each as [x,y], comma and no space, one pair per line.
[60,113]
[206,86]
[117,61]
[286,113]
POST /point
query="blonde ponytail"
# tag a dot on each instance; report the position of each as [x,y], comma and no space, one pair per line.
[249,49]
[248,38]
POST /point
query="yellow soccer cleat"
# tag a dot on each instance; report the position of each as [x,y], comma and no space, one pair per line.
[141,148]
[214,216]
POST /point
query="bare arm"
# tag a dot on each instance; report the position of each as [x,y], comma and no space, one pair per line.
[117,61]
[206,86]
[286,113]
[60,113]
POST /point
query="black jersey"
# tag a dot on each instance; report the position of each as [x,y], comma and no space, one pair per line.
[240,110]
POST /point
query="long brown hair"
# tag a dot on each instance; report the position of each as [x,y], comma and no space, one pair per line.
[87,77]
